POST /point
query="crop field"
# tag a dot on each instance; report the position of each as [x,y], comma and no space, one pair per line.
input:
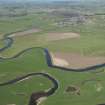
[52,53]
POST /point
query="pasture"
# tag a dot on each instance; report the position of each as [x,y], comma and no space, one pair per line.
[76,40]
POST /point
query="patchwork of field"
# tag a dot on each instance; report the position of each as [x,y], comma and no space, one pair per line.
[20,92]
[57,45]
[90,40]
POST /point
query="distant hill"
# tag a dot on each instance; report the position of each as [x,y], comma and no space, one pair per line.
[57,1]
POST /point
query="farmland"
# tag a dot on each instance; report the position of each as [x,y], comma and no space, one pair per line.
[31,33]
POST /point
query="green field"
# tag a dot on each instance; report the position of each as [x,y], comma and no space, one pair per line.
[91,42]
[91,36]
[35,57]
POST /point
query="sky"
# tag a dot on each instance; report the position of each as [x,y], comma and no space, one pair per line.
[48,0]
[42,0]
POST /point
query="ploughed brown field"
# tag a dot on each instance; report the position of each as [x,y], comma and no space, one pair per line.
[27,32]
[61,36]
[75,60]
